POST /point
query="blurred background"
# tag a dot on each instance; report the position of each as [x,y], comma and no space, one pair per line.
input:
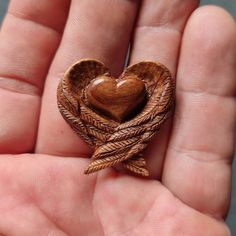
[230,5]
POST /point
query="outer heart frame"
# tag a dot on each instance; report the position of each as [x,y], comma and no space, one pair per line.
[116,142]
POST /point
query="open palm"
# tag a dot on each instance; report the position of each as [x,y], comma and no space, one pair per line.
[46,192]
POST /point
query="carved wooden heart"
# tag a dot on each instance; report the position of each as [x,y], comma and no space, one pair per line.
[92,102]
[116,98]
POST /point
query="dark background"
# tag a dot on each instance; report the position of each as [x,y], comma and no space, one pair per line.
[230,5]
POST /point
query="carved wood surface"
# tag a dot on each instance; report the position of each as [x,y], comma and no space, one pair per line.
[116,140]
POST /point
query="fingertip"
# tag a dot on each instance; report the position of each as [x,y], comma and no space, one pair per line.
[209,50]
[210,24]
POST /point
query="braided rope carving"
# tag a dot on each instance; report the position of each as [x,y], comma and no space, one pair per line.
[116,142]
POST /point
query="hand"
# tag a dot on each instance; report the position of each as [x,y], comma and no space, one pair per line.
[46,193]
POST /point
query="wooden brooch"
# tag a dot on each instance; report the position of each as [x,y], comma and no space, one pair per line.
[118,117]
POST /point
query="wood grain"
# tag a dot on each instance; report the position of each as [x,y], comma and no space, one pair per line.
[118,99]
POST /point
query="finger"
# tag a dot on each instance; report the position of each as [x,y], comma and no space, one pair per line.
[197,169]
[157,38]
[100,32]
[29,37]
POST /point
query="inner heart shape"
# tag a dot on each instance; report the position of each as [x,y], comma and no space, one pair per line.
[116,98]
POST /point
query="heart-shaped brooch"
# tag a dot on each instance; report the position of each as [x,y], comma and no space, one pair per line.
[118,117]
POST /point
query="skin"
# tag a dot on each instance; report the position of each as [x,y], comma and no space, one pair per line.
[45,192]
